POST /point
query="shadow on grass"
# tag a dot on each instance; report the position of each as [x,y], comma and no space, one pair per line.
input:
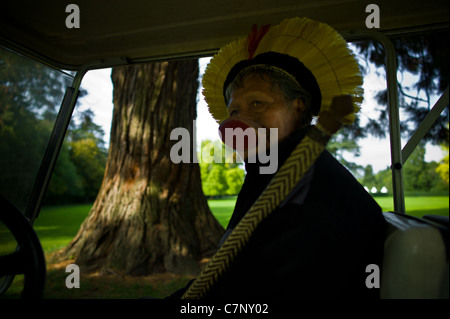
[101,286]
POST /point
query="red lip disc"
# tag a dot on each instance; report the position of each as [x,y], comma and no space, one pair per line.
[234,124]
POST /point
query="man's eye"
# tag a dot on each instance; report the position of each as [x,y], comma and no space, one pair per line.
[256,103]
[234,112]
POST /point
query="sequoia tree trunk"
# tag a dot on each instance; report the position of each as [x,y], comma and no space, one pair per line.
[150,215]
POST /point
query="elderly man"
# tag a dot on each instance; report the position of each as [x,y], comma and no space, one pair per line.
[318,242]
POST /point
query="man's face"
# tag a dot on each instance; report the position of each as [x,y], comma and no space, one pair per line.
[259,104]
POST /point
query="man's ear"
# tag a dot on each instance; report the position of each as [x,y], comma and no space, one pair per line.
[299,106]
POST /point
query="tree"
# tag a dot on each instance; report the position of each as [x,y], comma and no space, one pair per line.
[421,176]
[90,161]
[220,171]
[384,179]
[413,170]
[425,57]
[150,214]
[234,178]
[30,94]
[215,183]
[65,184]
[83,126]
[88,153]
[344,142]
[81,164]
[442,169]
[369,179]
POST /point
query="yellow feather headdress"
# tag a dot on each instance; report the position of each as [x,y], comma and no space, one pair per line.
[318,46]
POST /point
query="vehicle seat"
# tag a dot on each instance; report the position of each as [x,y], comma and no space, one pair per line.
[415,261]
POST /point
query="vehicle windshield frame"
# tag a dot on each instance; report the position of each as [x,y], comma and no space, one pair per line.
[398,156]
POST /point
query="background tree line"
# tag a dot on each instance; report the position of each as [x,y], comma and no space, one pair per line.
[223,176]
[30,97]
[419,177]
[80,167]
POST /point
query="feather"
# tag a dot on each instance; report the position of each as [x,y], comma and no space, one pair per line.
[319,47]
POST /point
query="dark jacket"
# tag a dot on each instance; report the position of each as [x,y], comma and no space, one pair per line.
[317,244]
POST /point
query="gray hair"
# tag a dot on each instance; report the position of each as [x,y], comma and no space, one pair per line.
[290,89]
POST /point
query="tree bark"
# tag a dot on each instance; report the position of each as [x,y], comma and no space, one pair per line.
[150,215]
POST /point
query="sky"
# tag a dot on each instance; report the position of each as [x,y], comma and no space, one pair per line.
[375,152]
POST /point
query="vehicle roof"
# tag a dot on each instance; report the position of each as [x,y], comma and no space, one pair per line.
[118,32]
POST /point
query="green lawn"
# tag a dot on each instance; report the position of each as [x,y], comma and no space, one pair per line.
[56,226]
[418,206]
[415,206]
[222,209]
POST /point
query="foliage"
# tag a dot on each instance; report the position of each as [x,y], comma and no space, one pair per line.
[419,176]
[220,172]
[234,178]
[30,94]
[215,183]
[341,143]
[65,179]
[369,180]
[425,57]
[442,168]
[81,164]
